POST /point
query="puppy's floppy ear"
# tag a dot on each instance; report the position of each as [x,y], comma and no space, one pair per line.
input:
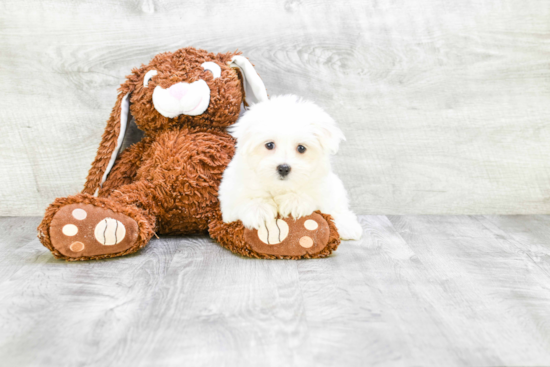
[112,139]
[254,88]
[329,134]
[241,131]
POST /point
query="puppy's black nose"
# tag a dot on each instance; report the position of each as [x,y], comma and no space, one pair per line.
[283,169]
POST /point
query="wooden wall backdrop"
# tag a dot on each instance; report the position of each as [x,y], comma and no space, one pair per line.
[446,104]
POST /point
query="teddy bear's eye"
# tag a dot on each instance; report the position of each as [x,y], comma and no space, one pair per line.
[213,68]
[148,76]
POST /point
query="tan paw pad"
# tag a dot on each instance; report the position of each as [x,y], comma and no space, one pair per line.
[70,230]
[289,237]
[273,232]
[311,224]
[306,242]
[77,246]
[79,214]
[79,230]
[109,232]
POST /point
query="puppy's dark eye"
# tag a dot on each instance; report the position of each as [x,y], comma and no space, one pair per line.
[270,145]
[301,149]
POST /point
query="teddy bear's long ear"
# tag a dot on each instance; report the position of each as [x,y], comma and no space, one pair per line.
[254,87]
[111,143]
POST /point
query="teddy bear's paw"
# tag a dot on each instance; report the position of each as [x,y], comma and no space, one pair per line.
[288,237]
[83,230]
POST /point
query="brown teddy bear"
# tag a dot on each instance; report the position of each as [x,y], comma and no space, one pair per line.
[167,183]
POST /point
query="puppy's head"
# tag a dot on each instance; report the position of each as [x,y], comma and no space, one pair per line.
[286,141]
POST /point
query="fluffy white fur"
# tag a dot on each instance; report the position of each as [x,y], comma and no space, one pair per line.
[253,191]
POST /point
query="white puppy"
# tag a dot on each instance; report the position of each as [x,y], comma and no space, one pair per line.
[282,166]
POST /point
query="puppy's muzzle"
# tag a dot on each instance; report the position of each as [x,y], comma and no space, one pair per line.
[283,169]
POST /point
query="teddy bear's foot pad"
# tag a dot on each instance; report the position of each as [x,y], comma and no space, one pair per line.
[81,230]
[289,237]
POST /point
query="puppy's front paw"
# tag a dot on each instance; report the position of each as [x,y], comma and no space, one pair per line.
[348,226]
[257,214]
[295,205]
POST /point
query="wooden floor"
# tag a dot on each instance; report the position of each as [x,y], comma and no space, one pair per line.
[416,290]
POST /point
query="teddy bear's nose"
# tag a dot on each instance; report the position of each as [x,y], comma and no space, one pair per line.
[179,90]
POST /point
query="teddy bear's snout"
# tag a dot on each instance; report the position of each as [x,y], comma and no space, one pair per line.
[179,90]
[182,98]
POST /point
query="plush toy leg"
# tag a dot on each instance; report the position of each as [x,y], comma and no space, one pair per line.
[84,227]
[314,236]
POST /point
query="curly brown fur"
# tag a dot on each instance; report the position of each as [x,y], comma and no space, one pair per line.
[183,65]
[126,167]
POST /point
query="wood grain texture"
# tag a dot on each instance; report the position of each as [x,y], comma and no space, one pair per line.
[445,104]
[416,290]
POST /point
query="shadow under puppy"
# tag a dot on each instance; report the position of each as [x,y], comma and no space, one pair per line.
[281,167]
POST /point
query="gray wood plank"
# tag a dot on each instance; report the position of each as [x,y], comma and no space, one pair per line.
[530,234]
[17,231]
[17,235]
[444,103]
[493,301]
